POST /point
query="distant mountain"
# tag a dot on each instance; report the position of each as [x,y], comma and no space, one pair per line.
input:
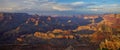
[9,21]
[16,24]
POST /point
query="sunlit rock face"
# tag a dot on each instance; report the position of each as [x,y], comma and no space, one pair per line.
[112,20]
[91,16]
[1,16]
[117,15]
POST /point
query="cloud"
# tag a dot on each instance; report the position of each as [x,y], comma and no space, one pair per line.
[61,8]
[22,5]
[71,6]
[105,8]
[53,7]
[78,3]
[38,5]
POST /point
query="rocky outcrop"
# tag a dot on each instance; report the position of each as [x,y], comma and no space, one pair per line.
[112,20]
[1,16]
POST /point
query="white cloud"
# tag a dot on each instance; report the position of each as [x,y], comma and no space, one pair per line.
[105,8]
[61,8]
[38,5]
[77,3]
[47,6]
[23,5]
[94,9]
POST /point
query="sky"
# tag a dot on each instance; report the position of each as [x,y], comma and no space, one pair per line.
[61,7]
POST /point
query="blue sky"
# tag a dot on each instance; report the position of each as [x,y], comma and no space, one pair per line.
[61,7]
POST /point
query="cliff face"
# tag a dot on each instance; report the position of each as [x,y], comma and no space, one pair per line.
[16,24]
[9,21]
[117,15]
[1,17]
[23,21]
[112,20]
